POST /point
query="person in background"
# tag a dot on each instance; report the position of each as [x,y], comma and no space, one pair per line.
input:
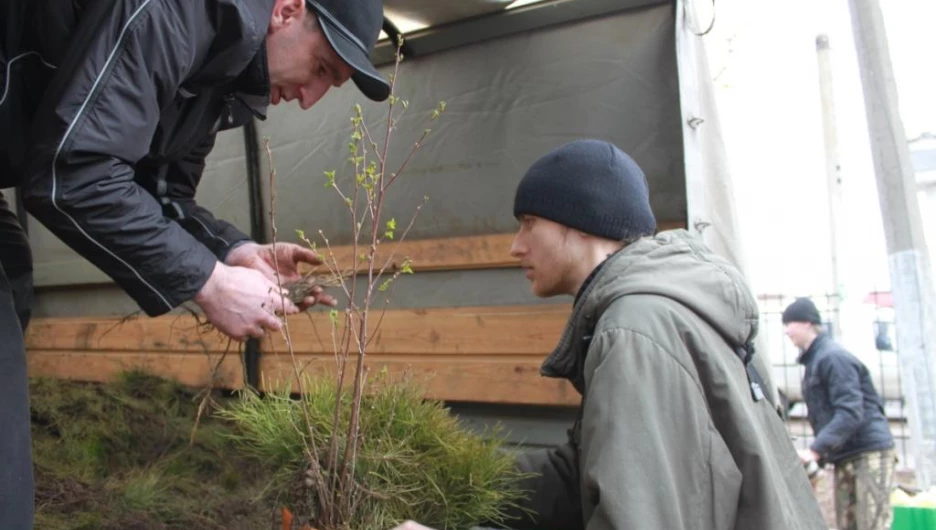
[107,112]
[675,430]
[848,421]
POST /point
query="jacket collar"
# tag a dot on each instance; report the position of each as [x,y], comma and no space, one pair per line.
[568,358]
[255,79]
[809,354]
[590,278]
[251,88]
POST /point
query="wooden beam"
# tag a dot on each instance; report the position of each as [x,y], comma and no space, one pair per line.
[461,253]
[507,380]
[477,354]
[196,370]
[170,333]
[455,331]
[480,354]
[489,251]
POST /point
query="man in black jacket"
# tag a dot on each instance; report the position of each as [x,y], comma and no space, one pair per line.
[107,111]
[847,417]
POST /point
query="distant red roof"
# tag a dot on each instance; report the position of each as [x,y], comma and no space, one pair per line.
[880,298]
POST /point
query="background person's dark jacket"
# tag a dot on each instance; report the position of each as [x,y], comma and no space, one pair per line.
[122,100]
[845,411]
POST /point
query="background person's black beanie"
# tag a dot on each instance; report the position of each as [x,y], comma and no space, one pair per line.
[588,185]
[802,310]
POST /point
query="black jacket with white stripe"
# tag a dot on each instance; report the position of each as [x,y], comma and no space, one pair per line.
[121,100]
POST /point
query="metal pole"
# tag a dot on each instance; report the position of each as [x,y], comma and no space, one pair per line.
[833,175]
[914,302]
[258,232]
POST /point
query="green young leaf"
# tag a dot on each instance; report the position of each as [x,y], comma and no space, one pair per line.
[362,256]
[388,234]
[406,267]
[329,179]
[405,104]
[356,135]
[348,201]
[391,224]
[357,109]
[386,284]
[300,234]
[333,316]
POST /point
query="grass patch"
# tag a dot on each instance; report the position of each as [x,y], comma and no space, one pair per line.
[415,460]
[118,456]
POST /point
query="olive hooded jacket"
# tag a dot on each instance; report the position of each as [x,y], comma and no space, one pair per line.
[670,435]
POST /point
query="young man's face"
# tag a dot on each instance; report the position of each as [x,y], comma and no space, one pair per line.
[545,254]
[801,334]
[301,63]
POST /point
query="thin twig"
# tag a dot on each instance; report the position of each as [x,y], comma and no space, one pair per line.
[286,334]
[393,176]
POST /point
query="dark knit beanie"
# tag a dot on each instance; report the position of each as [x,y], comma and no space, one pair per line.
[589,185]
[802,310]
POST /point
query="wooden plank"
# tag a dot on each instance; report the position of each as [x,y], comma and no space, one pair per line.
[481,354]
[508,380]
[465,331]
[170,333]
[458,253]
[196,370]
[488,251]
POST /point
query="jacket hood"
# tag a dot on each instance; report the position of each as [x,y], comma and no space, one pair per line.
[674,264]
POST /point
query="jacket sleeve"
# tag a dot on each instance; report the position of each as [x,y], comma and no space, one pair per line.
[179,204]
[126,62]
[843,386]
[650,455]
[552,501]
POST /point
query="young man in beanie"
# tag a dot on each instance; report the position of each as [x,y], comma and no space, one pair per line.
[674,431]
[107,112]
[847,417]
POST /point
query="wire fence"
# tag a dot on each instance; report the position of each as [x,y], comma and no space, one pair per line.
[866,329]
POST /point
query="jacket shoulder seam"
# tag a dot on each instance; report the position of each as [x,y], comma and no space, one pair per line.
[688,373]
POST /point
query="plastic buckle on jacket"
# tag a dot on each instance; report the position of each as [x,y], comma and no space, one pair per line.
[746,353]
[757,391]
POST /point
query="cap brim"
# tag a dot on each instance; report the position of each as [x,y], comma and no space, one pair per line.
[366,77]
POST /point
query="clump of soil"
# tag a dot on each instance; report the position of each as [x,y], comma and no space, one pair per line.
[119,456]
[300,289]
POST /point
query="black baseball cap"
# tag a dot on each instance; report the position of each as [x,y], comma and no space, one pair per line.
[352,28]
